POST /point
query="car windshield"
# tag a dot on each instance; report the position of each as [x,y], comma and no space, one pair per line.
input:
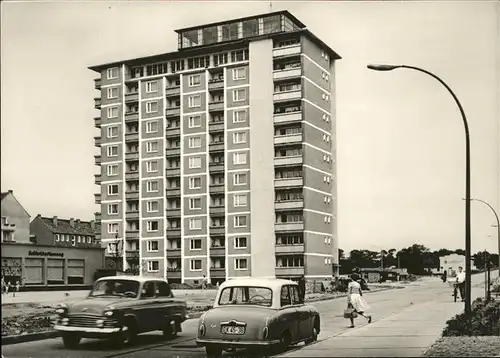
[119,288]
[247,295]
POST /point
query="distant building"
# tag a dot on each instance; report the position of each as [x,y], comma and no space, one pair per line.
[65,232]
[450,264]
[15,219]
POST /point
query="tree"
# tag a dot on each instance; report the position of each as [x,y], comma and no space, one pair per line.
[115,253]
[414,258]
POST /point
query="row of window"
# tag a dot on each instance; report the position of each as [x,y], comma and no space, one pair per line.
[75,239]
[196,265]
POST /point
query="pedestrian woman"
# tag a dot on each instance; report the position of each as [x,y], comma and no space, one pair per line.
[355,300]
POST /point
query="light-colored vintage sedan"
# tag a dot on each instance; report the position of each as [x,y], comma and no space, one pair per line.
[119,308]
[252,313]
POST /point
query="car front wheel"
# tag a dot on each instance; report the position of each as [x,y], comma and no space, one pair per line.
[126,336]
[71,340]
[170,329]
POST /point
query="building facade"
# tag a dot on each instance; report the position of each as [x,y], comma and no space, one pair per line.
[188,188]
[15,219]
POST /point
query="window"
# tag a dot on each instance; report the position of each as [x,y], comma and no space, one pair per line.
[153,246]
[112,131]
[239,95]
[152,186]
[240,178]
[195,244]
[112,170]
[112,209]
[240,116]
[240,264]
[239,158]
[194,142]
[239,137]
[112,92]
[152,107]
[153,206]
[195,224]
[112,112]
[152,166]
[112,189]
[194,121]
[152,127]
[240,221]
[152,147]
[195,183]
[152,225]
[112,228]
[195,265]
[194,162]
[239,55]
[112,151]
[194,101]
[112,73]
[151,86]
[239,73]
[194,80]
[195,203]
[240,200]
[153,266]
[240,242]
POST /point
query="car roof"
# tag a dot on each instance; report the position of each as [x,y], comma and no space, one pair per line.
[272,283]
[131,278]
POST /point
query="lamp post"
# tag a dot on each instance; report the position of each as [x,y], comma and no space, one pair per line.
[467,176]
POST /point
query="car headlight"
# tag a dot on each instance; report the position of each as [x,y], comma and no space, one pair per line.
[108,313]
[61,309]
[201,330]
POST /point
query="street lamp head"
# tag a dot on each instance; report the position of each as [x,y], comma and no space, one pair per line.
[383,67]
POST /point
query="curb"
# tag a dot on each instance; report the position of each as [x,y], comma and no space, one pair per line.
[23,338]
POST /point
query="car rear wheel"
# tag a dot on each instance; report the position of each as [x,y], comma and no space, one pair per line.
[213,351]
[71,340]
[170,329]
[285,342]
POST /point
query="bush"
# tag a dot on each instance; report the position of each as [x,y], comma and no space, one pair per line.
[485,321]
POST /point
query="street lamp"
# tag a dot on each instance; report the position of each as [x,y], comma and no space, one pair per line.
[467,176]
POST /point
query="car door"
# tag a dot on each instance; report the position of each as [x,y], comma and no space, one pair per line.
[164,303]
[146,310]
[289,315]
[305,322]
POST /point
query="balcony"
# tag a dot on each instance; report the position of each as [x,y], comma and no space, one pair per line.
[131,116]
[289,204]
[219,209]
[291,72]
[173,91]
[291,160]
[132,175]
[8,227]
[173,273]
[173,152]
[174,253]
[217,251]
[97,122]
[286,51]
[216,106]
[289,249]
[216,146]
[295,94]
[173,111]
[173,231]
[132,234]
[288,182]
[289,271]
[216,167]
[97,159]
[173,192]
[131,137]
[292,226]
[132,254]
[174,212]
[97,83]
[97,141]
[97,103]
[97,179]
[131,97]
[173,131]
[97,198]
[132,214]
[132,155]
[215,126]
[215,83]
[217,272]
[132,195]
[288,117]
[173,172]
[216,188]
[288,139]
[217,230]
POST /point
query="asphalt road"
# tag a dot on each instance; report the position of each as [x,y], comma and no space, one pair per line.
[383,304]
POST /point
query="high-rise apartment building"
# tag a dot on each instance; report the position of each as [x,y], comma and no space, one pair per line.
[219,159]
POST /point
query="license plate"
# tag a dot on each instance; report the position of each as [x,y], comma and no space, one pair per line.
[233,330]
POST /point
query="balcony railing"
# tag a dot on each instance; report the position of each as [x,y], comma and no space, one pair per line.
[173,90]
[131,116]
[131,194]
[97,159]
[216,188]
[217,251]
[288,182]
[216,146]
[97,103]
[173,192]
[290,72]
[285,117]
[173,151]
[215,126]
[97,141]
[97,83]
[132,136]
[132,214]
[289,204]
[173,131]
[217,230]
[289,160]
[289,249]
[174,253]
[216,105]
[294,94]
[131,97]
[216,166]
[132,155]
[173,172]
[173,111]
[132,253]
[286,50]
[97,179]
[132,175]
[215,83]
[217,209]
[287,139]
[97,122]
[97,198]
[289,271]
[289,226]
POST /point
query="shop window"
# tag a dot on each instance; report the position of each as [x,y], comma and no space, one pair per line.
[76,272]
[33,269]
[55,272]
[11,269]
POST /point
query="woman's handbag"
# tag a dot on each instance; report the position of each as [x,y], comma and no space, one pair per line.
[350,313]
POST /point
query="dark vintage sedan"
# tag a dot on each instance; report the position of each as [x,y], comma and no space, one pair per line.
[119,308]
[257,313]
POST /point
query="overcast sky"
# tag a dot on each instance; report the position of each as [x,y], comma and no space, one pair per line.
[400,138]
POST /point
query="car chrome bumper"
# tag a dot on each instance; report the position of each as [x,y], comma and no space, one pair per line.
[87,329]
[235,344]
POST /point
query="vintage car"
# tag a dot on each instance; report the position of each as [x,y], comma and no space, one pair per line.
[257,313]
[119,308]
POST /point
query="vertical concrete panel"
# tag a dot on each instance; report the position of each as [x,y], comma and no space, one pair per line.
[333,111]
[261,160]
